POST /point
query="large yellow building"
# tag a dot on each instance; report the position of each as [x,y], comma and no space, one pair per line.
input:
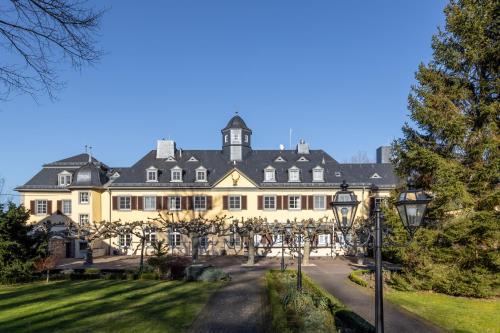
[235,180]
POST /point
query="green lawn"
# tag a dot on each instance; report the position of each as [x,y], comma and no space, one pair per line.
[102,306]
[457,314]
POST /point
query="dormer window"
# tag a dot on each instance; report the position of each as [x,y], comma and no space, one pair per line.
[201,174]
[64,178]
[226,138]
[318,174]
[151,174]
[294,174]
[176,174]
[269,174]
[246,138]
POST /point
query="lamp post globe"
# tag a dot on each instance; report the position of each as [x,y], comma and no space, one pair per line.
[411,206]
[344,206]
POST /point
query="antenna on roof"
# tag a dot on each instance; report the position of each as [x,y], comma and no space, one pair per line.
[90,153]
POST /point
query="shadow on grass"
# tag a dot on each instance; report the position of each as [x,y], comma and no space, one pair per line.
[142,301]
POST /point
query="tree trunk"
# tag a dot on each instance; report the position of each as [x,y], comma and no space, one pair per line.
[141,263]
[251,249]
[89,259]
[48,275]
[195,240]
[307,250]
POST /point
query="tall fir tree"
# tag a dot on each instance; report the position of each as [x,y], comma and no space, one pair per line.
[452,150]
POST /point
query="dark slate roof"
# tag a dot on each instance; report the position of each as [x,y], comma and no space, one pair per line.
[218,165]
[47,178]
[236,122]
[89,175]
[253,165]
[74,161]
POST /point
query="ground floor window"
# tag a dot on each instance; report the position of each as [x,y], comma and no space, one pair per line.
[175,239]
[324,240]
[150,235]
[235,240]
[84,219]
[125,239]
[203,242]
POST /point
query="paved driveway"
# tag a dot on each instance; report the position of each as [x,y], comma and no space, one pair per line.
[332,275]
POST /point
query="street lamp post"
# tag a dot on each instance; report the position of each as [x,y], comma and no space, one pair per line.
[411,206]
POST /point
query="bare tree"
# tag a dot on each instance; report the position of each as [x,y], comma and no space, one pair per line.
[194,228]
[360,157]
[40,34]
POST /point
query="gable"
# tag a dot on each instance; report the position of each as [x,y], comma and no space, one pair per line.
[235,179]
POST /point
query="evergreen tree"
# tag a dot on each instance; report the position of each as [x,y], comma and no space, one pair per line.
[453,152]
[17,248]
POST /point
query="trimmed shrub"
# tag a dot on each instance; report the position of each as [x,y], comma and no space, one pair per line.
[171,266]
[92,270]
[213,274]
[149,276]
[356,277]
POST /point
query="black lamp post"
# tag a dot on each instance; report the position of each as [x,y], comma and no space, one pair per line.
[411,206]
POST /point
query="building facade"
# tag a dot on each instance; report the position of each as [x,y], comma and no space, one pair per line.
[235,181]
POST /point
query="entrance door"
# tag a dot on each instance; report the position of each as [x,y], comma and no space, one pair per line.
[68,250]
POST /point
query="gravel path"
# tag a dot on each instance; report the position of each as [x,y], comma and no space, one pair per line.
[238,306]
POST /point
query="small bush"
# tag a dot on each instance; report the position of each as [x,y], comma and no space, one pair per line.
[131,276]
[356,277]
[171,266]
[213,274]
[149,276]
[114,276]
[92,270]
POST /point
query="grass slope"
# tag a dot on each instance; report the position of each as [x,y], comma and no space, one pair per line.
[102,306]
[457,314]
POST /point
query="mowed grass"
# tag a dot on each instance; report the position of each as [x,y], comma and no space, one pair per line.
[102,306]
[457,314]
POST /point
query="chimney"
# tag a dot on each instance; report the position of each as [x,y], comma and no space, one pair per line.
[302,147]
[165,148]
[384,154]
[282,147]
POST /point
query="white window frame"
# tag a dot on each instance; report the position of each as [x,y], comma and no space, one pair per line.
[273,197]
[66,207]
[315,203]
[234,239]
[42,207]
[149,197]
[152,175]
[226,138]
[125,239]
[231,205]
[178,200]
[257,240]
[174,239]
[294,171]
[318,174]
[269,174]
[297,203]
[84,195]
[176,175]
[203,242]
[246,138]
[199,202]
[324,239]
[201,171]
[151,235]
[83,219]
[127,201]
[64,178]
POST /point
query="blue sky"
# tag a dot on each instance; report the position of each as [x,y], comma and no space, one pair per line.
[337,72]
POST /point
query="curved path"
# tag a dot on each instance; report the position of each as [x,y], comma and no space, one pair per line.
[332,275]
